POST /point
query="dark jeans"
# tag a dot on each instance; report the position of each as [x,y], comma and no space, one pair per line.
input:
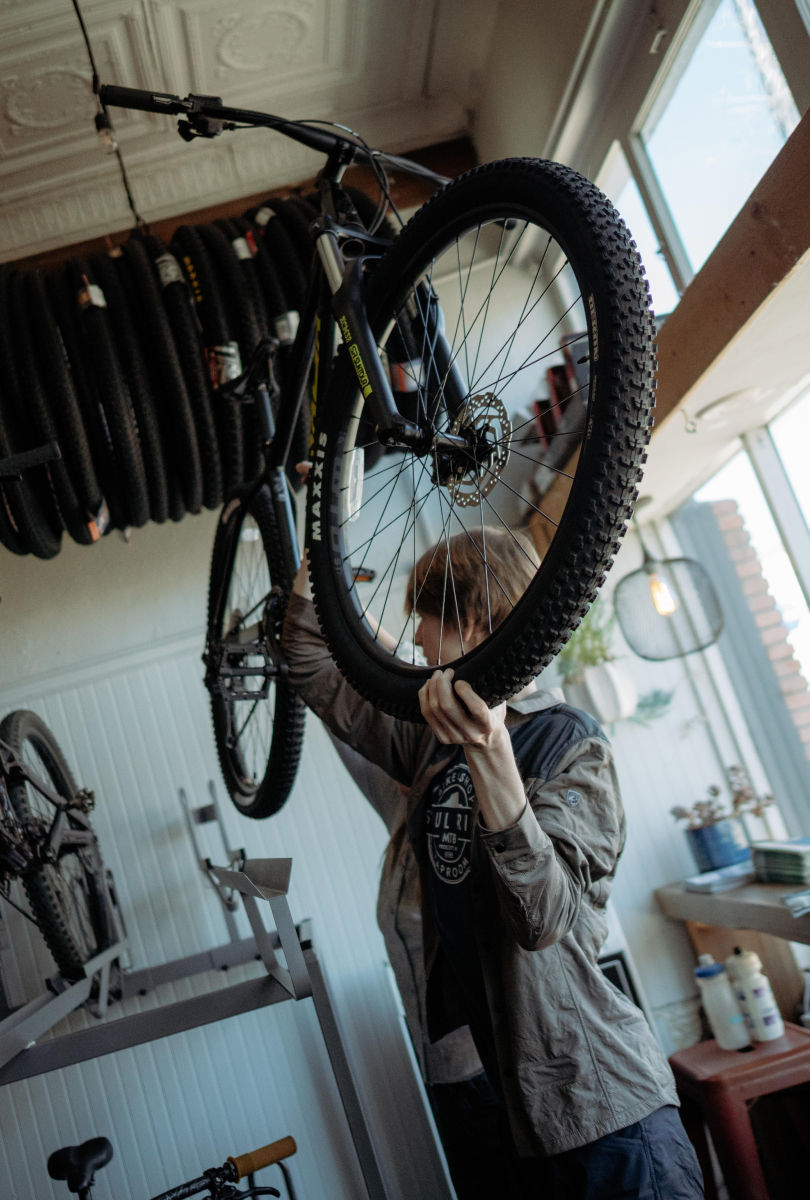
[651,1160]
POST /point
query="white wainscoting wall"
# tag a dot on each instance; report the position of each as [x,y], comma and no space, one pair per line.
[104,643]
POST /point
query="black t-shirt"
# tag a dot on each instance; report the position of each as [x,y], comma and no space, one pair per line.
[448,825]
[538,745]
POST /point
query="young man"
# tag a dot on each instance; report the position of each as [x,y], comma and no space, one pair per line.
[516,824]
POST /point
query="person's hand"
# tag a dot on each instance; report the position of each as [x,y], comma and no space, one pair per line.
[458,716]
[303,469]
[301,584]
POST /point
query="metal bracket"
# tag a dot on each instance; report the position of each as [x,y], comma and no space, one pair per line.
[204,815]
[269,879]
[21,1029]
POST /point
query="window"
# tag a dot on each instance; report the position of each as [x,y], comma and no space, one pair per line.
[720,118]
[791,435]
[737,481]
[617,181]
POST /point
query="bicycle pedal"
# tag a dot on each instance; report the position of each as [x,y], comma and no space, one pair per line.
[364,574]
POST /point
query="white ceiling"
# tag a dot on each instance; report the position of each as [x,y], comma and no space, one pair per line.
[405,73]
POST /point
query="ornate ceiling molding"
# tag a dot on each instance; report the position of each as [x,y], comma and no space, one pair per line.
[365,63]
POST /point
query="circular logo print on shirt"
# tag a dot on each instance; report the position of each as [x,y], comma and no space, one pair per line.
[448,824]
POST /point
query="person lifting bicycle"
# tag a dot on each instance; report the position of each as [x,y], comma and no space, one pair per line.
[516,821]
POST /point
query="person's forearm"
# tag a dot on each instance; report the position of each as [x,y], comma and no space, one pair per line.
[497,782]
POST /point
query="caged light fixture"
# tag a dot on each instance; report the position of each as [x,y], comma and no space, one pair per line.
[667,608]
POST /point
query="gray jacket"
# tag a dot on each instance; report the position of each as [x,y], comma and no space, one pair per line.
[577,1059]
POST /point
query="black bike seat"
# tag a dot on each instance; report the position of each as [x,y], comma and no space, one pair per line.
[77,1164]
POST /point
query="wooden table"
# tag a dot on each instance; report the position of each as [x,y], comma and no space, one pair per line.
[756,906]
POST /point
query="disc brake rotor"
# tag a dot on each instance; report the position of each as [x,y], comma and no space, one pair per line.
[486,418]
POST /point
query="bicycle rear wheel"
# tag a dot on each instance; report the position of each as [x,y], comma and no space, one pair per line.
[258,737]
[546,397]
[67,896]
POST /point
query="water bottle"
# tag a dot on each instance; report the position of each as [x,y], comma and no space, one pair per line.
[720,1005]
[755,996]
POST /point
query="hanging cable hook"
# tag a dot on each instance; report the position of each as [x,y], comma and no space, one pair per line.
[104,125]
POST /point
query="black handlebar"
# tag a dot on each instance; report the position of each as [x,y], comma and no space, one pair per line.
[157,102]
[212,109]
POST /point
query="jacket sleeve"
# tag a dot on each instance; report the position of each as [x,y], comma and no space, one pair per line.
[396,746]
[566,843]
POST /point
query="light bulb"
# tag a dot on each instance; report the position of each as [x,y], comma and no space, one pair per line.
[105,132]
[665,603]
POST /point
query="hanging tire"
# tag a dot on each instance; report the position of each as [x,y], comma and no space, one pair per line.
[188,248]
[61,398]
[136,373]
[63,302]
[105,366]
[29,527]
[31,508]
[67,896]
[258,741]
[555,228]
[188,343]
[167,374]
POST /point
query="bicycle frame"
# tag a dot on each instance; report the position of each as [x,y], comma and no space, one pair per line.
[335,292]
[12,769]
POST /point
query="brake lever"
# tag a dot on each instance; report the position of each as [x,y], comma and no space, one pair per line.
[259,371]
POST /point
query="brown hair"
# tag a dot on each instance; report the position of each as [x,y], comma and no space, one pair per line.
[511,561]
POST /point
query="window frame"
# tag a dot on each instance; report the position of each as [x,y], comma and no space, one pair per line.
[628,60]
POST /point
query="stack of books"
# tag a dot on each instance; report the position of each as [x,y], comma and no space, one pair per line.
[722,880]
[782,862]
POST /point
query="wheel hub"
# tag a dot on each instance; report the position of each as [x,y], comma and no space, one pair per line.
[472,473]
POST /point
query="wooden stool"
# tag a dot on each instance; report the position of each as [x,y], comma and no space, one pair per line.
[717,1086]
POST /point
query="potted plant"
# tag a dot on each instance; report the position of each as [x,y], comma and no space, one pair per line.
[717,836]
[592,678]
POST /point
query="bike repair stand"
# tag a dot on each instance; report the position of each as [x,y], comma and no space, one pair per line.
[300,977]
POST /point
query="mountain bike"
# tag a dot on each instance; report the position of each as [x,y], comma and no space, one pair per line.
[47,841]
[431,424]
[77,1165]
[46,838]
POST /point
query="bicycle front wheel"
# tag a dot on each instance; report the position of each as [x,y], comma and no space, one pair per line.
[258,717]
[535,407]
[67,896]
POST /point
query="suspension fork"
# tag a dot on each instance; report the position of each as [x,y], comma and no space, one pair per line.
[280,436]
[345,280]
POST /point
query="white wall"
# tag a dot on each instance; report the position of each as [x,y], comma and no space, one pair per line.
[671,761]
[104,642]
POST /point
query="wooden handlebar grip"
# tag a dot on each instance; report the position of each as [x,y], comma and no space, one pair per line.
[247,1164]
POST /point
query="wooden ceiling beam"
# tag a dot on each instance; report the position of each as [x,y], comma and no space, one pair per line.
[766,241]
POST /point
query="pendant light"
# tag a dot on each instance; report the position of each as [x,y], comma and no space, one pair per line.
[668,608]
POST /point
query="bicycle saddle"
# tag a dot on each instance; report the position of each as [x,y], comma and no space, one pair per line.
[77,1164]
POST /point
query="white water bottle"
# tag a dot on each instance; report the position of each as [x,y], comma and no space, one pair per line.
[755,996]
[720,1004]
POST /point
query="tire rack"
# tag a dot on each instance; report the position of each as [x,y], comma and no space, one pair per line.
[118,357]
[303,977]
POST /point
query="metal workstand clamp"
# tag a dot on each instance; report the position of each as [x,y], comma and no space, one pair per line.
[21,1029]
[301,977]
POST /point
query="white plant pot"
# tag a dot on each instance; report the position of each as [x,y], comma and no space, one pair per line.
[608,692]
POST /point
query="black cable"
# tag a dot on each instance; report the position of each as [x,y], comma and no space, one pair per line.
[139,221]
[373,161]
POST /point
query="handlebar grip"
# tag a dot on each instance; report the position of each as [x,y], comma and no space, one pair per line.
[247,1164]
[124,97]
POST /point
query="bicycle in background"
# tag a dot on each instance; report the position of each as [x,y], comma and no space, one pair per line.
[77,1165]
